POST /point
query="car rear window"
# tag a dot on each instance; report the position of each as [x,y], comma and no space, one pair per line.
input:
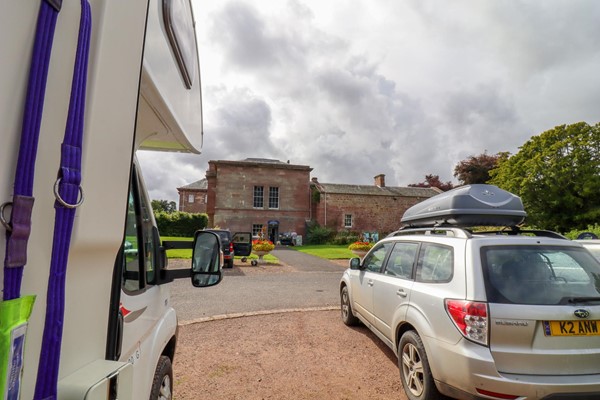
[541,275]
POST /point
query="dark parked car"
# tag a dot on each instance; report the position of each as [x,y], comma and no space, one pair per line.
[287,238]
[238,243]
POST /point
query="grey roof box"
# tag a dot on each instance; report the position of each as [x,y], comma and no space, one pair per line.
[470,205]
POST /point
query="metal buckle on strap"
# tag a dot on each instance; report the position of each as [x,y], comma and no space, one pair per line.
[2,219]
[56,4]
[64,203]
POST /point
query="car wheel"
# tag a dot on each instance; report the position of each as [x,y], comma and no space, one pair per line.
[347,316]
[162,385]
[414,368]
[230,263]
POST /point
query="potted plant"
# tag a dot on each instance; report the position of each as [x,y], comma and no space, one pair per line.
[261,247]
[360,248]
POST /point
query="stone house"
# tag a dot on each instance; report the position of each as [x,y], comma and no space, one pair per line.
[258,195]
[192,197]
[364,208]
[269,196]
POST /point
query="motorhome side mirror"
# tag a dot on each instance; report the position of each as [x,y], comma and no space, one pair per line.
[206,259]
[354,263]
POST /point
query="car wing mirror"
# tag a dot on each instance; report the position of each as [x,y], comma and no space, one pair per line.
[354,263]
[207,259]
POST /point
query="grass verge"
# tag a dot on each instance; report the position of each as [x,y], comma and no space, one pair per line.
[327,251]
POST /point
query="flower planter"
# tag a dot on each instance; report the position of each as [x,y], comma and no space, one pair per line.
[260,255]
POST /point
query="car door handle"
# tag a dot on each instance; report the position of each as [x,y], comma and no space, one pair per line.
[401,293]
[370,282]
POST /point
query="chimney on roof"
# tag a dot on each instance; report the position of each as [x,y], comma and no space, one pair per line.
[380,180]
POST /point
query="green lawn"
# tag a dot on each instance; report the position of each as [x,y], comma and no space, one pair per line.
[327,251]
[187,253]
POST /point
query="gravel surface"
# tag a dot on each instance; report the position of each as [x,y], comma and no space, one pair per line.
[260,349]
[295,355]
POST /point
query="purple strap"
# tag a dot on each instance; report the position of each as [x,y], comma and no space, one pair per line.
[70,178]
[16,240]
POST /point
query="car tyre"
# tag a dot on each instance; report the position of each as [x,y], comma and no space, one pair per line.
[230,263]
[347,316]
[162,385]
[415,373]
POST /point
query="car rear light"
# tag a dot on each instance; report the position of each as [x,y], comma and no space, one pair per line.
[471,319]
[231,247]
[497,395]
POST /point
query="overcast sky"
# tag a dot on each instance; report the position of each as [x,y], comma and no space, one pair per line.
[400,87]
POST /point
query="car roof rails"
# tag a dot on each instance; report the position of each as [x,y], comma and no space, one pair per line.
[464,233]
[515,230]
[434,230]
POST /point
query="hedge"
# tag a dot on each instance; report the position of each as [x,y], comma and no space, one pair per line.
[179,223]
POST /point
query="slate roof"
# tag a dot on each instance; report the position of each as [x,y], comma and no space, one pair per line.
[372,190]
[202,184]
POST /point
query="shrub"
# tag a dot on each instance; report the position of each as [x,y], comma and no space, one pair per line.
[179,223]
[595,229]
[317,234]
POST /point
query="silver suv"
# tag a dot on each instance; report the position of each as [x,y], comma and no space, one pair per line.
[499,315]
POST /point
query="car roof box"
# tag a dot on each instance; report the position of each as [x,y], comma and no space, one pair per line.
[470,205]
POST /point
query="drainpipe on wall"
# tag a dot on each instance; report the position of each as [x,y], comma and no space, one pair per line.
[325,208]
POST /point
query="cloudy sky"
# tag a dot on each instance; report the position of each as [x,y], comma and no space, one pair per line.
[401,87]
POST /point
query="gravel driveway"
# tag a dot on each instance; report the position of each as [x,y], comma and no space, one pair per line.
[285,341]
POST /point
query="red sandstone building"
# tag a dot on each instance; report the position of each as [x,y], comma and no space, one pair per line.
[364,208]
[258,195]
[275,197]
[192,197]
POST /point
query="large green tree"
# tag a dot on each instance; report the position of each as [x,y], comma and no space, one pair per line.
[164,206]
[557,175]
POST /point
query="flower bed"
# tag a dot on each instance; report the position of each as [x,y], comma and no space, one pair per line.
[360,246]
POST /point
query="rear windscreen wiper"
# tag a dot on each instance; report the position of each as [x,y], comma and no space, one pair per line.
[575,300]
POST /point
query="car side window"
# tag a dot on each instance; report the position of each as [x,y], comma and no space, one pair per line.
[436,263]
[374,260]
[401,260]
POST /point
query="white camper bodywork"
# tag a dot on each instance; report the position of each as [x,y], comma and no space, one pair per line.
[130,58]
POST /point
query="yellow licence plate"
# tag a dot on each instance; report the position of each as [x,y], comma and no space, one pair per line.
[572,328]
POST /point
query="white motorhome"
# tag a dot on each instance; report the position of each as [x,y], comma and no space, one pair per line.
[143,92]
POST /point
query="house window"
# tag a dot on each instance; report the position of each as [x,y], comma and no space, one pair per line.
[258,197]
[256,229]
[190,198]
[273,197]
[348,220]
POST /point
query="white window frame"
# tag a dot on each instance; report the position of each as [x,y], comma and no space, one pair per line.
[347,220]
[274,198]
[258,200]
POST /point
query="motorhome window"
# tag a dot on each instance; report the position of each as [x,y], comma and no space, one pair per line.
[436,263]
[258,197]
[374,260]
[148,237]
[131,259]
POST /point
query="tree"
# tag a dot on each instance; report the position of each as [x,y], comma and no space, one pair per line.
[433,181]
[556,174]
[164,206]
[476,169]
